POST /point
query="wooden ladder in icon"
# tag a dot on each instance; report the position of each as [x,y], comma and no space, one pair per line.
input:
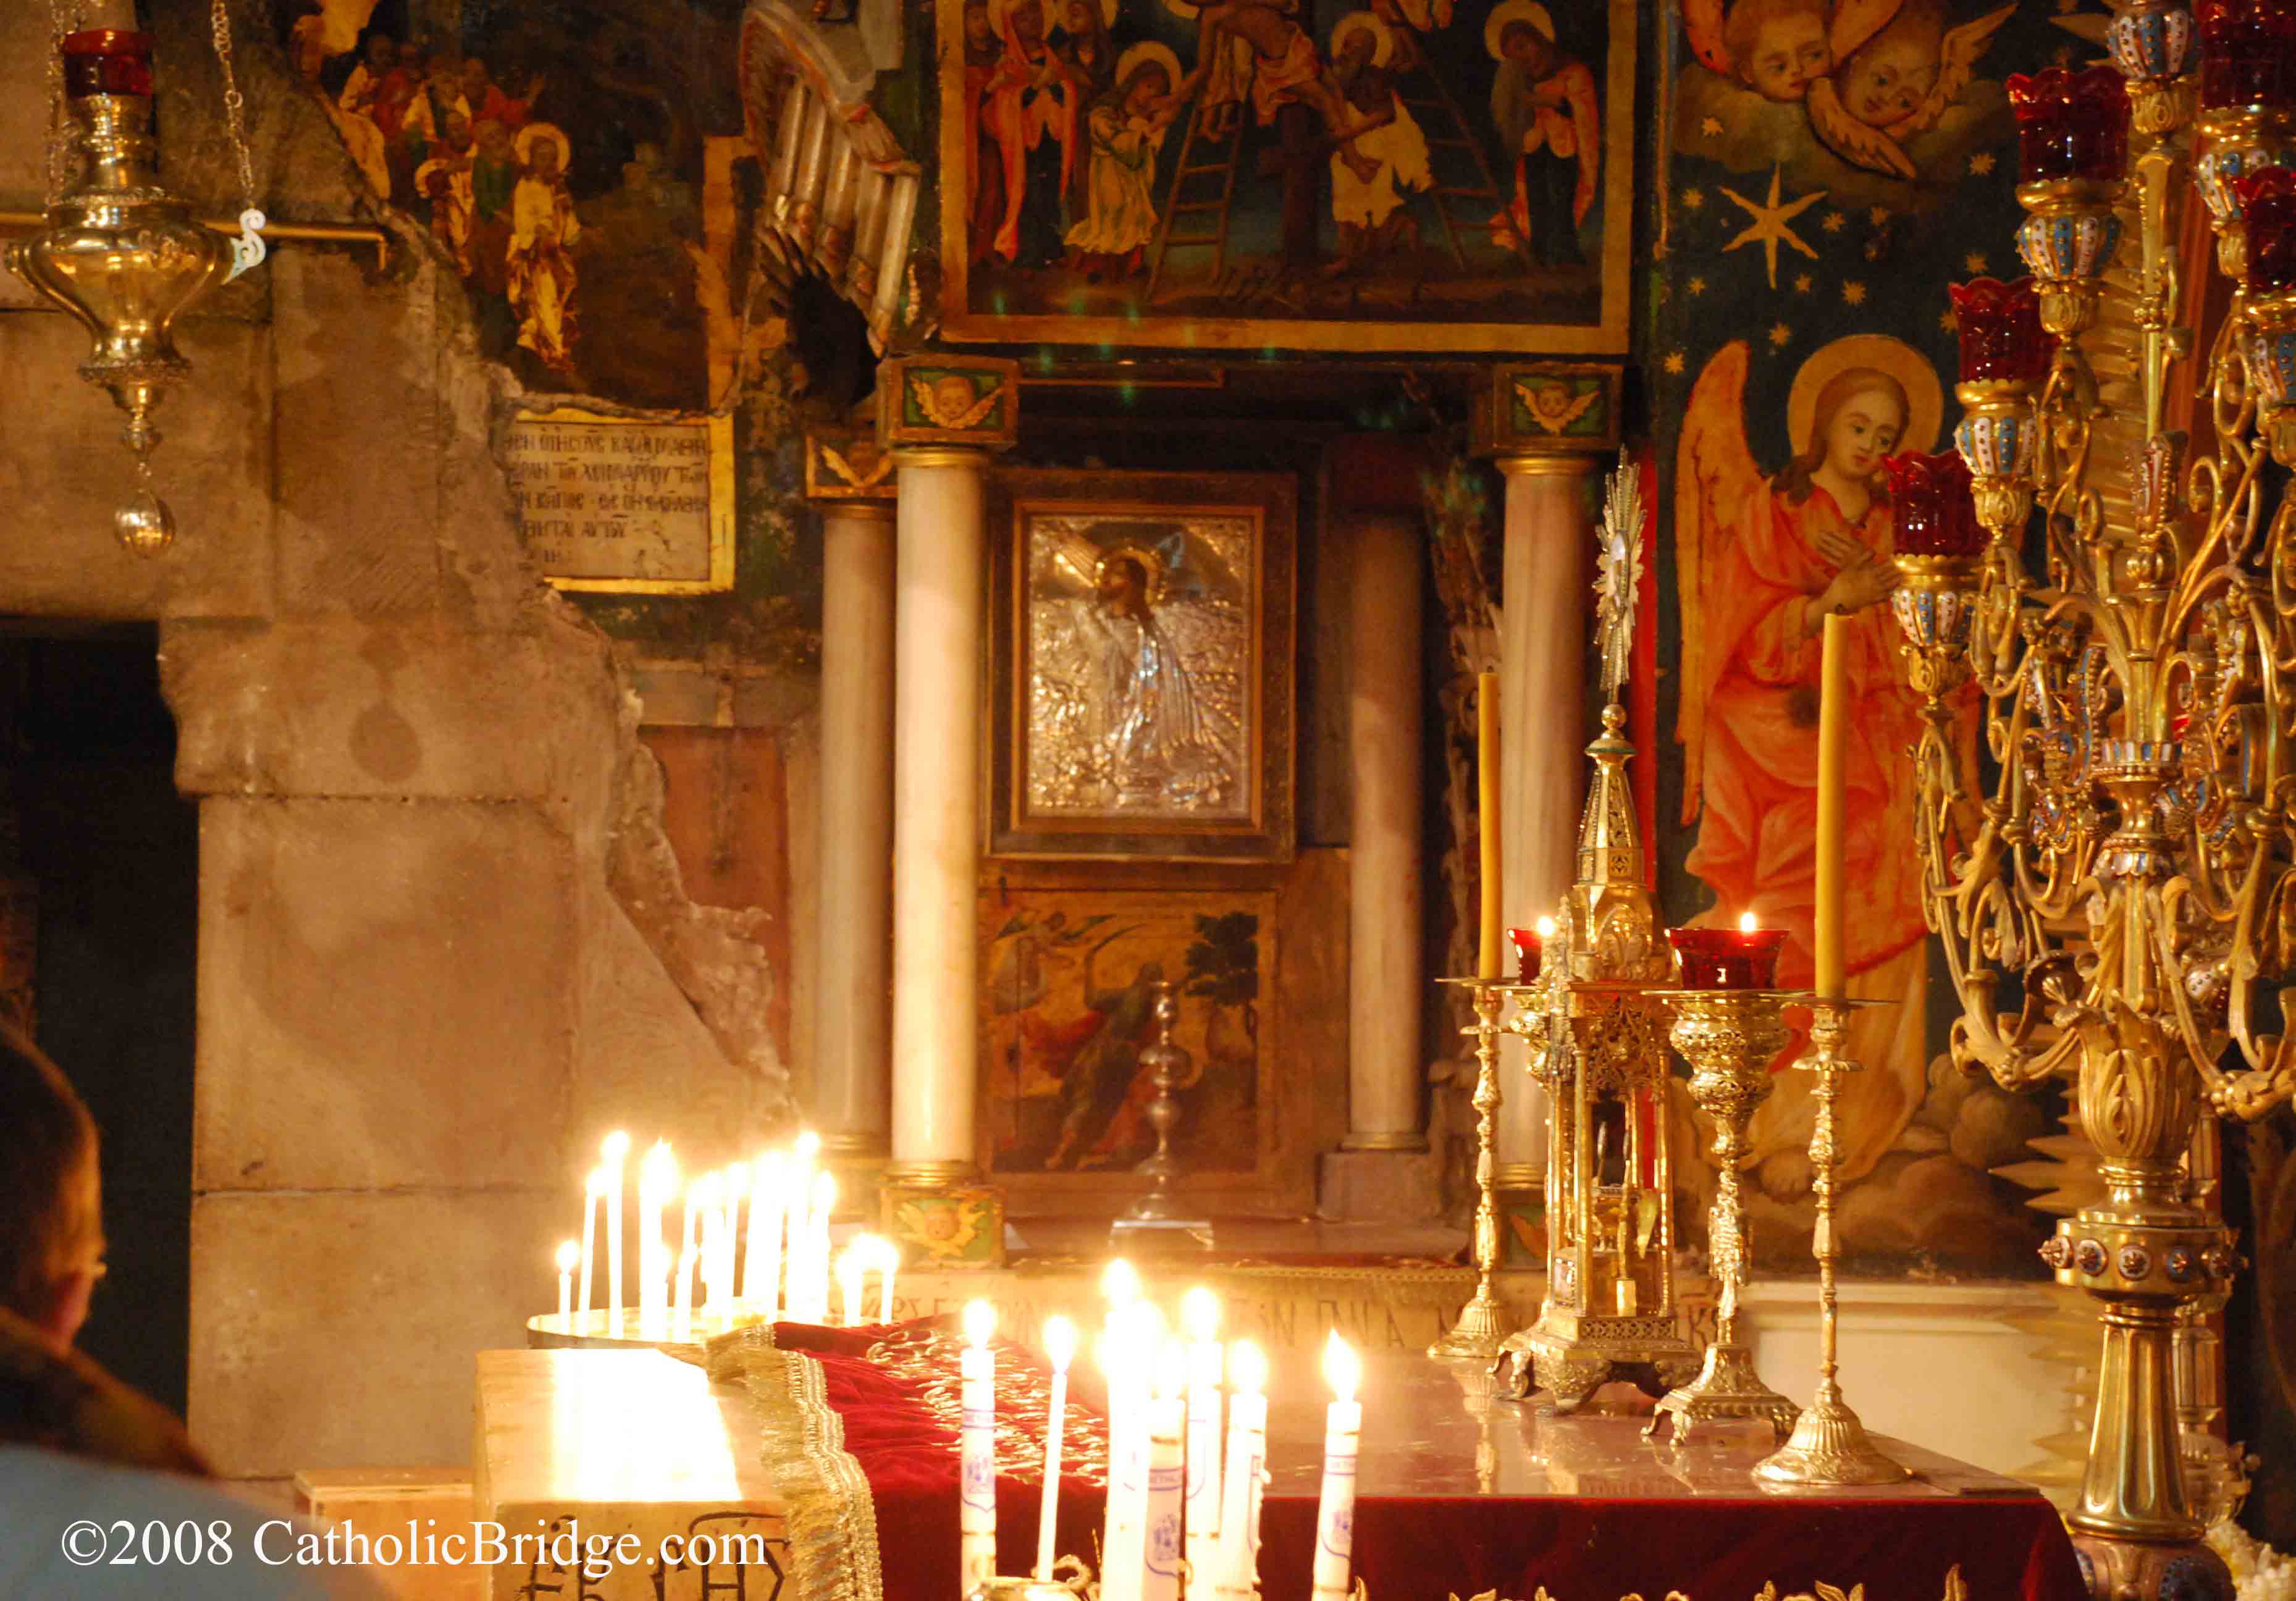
[1457,135]
[1177,205]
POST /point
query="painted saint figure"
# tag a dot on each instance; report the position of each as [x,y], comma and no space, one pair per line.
[1550,129]
[1127,128]
[543,226]
[1370,212]
[1764,559]
[1030,108]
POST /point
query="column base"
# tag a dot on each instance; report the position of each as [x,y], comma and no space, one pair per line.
[945,1223]
[1388,1185]
[868,1146]
[1409,1140]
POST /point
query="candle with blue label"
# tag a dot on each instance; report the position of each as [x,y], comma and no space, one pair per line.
[977,1452]
[1335,1509]
[1200,1316]
[1246,1469]
[1060,1347]
[1136,1330]
[1167,1423]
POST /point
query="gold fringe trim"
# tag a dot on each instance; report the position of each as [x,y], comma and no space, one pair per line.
[827,1515]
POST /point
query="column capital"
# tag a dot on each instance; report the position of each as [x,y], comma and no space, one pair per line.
[847,472]
[943,402]
[1568,412]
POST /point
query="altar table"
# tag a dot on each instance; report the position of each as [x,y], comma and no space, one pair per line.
[847,1467]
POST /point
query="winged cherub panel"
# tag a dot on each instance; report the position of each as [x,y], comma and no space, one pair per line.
[1763,551]
[1877,102]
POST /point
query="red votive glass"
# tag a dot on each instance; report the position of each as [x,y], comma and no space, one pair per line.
[2248,52]
[1529,949]
[1999,325]
[1727,959]
[1930,506]
[2267,210]
[2071,124]
[107,60]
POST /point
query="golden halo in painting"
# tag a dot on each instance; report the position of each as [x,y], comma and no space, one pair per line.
[533,134]
[1144,52]
[1151,565]
[1383,45]
[1876,352]
[1514,10]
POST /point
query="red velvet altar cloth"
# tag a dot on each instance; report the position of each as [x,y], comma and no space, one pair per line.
[1457,1495]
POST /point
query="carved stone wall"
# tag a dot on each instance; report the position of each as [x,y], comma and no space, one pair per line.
[442,941]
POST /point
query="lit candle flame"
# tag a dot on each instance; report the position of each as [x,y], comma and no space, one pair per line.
[1120,1281]
[1200,1315]
[824,1193]
[1247,1366]
[568,1254]
[1059,1342]
[614,1148]
[808,1146]
[1342,1369]
[979,1322]
[1546,928]
[1746,924]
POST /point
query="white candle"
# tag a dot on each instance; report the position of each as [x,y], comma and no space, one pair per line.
[736,1185]
[1060,1346]
[568,1255]
[817,1248]
[977,1450]
[706,1196]
[1127,1357]
[681,1319]
[1200,1316]
[1247,1455]
[616,1147]
[1335,1510]
[885,1257]
[851,1265]
[594,1200]
[657,1183]
[1167,1424]
[761,1267]
[687,1255]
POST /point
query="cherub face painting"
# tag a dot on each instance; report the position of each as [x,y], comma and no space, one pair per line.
[1887,80]
[1779,46]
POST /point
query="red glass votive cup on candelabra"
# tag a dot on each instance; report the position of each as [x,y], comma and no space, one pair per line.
[1529,949]
[107,60]
[1727,959]
[1999,326]
[2267,210]
[1931,505]
[2071,124]
[2247,54]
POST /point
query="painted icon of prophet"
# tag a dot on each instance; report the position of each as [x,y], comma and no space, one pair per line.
[1138,658]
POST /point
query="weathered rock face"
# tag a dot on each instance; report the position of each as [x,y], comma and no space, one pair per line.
[442,941]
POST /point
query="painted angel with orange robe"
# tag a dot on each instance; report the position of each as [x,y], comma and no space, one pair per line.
[1763,558]
[1870,73]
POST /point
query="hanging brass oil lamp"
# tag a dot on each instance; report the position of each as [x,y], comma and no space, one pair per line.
[121,254]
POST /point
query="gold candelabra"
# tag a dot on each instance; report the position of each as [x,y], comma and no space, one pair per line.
[2107,866]
[1484,1321]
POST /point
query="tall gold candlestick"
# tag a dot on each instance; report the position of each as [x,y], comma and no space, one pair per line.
[1729,1037]
[1829,1444]
[1483,1323]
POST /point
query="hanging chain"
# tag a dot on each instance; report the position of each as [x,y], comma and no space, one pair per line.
[247,250]
[62,18]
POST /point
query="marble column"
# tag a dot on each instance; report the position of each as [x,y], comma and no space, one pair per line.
[1385,938]
[1550,531]
[851,1100]
[940,701]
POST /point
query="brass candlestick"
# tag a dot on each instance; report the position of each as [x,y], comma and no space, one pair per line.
[1165,1062]
[1829,1444]
[1729,1037]
[1483,1323]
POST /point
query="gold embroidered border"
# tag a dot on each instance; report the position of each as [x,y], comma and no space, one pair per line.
[827,1514]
